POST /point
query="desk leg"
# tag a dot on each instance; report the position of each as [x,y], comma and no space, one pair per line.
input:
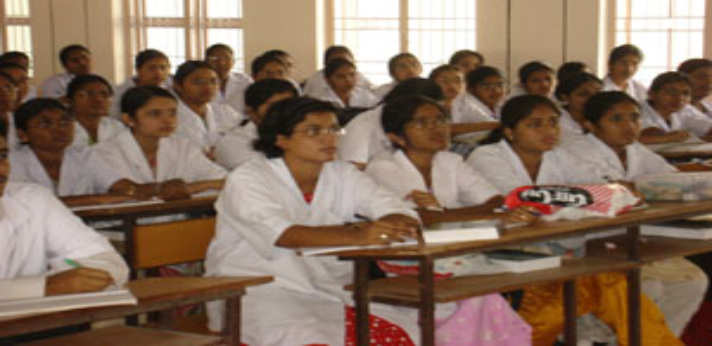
[634,338]
[361,300]
[427,302]
[231,334]
[127,226]
[570,312]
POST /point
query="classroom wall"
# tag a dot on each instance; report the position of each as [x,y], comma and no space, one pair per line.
[510,32]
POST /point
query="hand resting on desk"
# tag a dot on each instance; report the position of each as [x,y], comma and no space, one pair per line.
[79,280]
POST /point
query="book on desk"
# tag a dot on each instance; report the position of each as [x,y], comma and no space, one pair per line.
[447,232]
[30,306]
[684,229]
[520,261]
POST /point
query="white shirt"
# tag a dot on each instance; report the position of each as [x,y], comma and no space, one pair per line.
[384,89]
[639,159]
[364,137]
[235,148]
[686,119]
[205,132]
[259,202]
[108,129]
[177,158]
[56,86]
[13,142]
[79,174]
[467,108]
[31,93]
[38,233]
[359,98]
[707,105]
[454,183]
[635,89]
[502,167]
[234,95]
[316,83]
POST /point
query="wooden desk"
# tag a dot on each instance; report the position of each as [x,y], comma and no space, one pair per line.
[153,294]
[424,292]
[129,214]
[686,156]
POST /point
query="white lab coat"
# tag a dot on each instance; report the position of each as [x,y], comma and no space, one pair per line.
[571,130]
[234,95]
[38,233]
[56,86]
[636,89]
[364,137]
[316,83]
[13,142]
[177,158]
[235,148]
[686,119]
[707,105]
[80,174]
[454,183]
[499,164]
[31,93]
[108,129]
[360,97]
[205,132]
[384,89]
[676,285]
[467,108]
[305,303]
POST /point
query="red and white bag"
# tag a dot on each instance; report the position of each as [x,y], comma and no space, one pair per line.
[573,202]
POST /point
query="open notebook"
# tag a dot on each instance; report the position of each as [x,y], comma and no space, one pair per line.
[21,307]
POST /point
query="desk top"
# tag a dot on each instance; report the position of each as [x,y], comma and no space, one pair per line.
[541,231]
[153,294]
[148,209]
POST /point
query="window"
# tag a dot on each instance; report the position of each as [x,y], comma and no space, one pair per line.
[376,30]
[183,29]
[668,32]
[16,31]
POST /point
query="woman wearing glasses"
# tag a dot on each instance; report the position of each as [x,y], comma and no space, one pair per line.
[196,84]
[298,195]
[232,84]
[89,98]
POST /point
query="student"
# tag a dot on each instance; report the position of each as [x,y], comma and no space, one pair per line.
[232,84]
[196,84]
[46,129]
[16,57]
[570,69]
[527,155]
[297,196]
[152,68]
[235,148]
[9,90]
[478,108]
[664,118]
[25,91]
[76,60]
[89,99]
[451,82]
[39,234]
[400,67]
[170,167]
[341,88]
[700,73]
[467,60]
[264,67]
[535,78]
[365,138]
[612,120]
[623,64]
[316,83]
[286,58]
[574,92]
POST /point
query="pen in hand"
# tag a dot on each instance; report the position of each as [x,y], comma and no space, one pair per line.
[72,263]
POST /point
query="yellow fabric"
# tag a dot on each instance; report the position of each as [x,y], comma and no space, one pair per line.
[603,295]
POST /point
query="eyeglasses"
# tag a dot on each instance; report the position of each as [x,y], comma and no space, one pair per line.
[491,86]
[204,81]
[93,94]
[219,59]
[314,132]
[429,123]
[62,123]
[8,89]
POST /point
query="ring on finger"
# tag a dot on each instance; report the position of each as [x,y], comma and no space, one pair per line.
[384,236]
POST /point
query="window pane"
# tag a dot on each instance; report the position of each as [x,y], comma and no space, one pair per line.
[439,28]
[170,41]
[668,32]
[224,9]
[17,8]
[164,8]
[232,38]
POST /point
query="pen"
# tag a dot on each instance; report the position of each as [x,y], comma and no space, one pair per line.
[72,263]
